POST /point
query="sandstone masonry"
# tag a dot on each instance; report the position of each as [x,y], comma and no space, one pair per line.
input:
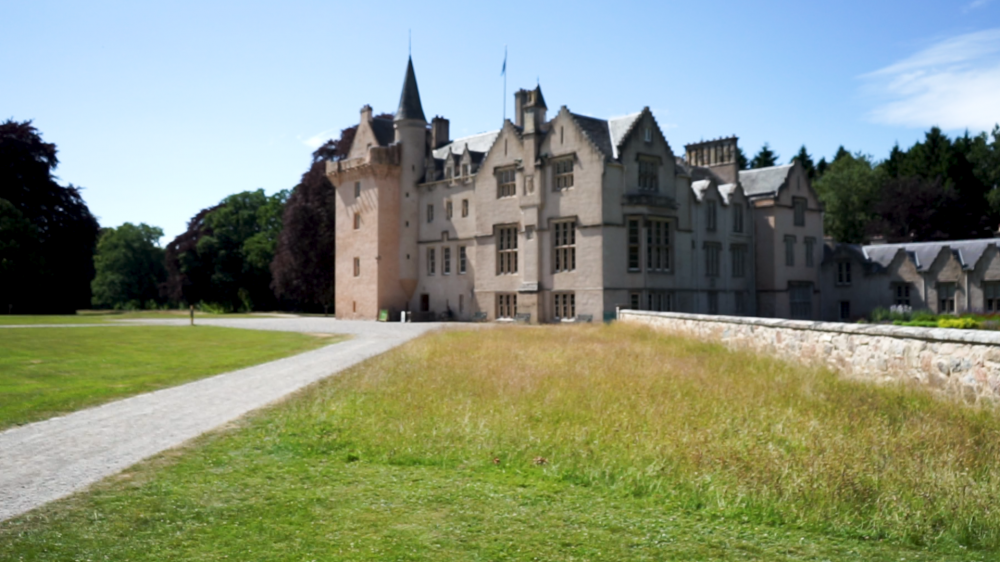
[965,363]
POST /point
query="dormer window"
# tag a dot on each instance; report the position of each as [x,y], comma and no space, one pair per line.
[563,173]
[505,183]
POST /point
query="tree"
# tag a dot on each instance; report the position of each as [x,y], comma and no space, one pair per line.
[806,160]
[849,190]
[741,158]
[49,232]
[765,158]
[910,208]
[224,256]
[129,267]
[304,264]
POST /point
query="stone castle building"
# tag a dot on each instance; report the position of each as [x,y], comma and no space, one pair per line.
[558,216]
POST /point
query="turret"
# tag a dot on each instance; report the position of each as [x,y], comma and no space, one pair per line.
[411,134]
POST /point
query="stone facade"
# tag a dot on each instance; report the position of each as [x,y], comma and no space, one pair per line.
[964,363]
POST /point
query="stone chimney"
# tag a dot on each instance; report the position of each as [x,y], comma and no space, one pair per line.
[718,155]
[439,132]
[519,97]
[366,113]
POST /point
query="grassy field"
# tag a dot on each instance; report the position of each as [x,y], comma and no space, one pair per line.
[557,443]
[49,371]
[106,316]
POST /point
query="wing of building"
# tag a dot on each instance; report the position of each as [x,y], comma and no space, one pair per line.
[559,216]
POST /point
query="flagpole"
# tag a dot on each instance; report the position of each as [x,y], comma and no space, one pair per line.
[504,84]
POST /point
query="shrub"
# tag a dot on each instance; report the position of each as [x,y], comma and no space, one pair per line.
[880,314]
[924,316]
[965,323]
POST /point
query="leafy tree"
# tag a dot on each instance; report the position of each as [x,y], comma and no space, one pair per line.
[741,158]
[224,255]
[129,266]
[765,158]
[303,266]
[821,167]
[911,208]
[849,189]
[806,160]
[841,153]
[48,233]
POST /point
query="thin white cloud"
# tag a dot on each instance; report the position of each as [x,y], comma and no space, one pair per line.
[318,139]
[954,84]
[974,5]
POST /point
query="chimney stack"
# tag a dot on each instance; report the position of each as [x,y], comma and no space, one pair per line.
[366,113]
[439,132]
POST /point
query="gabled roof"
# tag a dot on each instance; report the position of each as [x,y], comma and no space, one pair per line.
[923,254]
[762,182]
[477,143]
[385,134]
[619,127]
[607,135]
[409,98]
[725,190]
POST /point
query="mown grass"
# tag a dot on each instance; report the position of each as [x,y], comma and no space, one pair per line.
[50,371]
[107,316]
[559,443]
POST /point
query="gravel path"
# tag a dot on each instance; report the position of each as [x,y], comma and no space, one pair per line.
[47,460]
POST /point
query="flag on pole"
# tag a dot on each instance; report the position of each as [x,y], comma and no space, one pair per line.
[503,71]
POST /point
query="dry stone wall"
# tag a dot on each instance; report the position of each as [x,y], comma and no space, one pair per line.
[960,362]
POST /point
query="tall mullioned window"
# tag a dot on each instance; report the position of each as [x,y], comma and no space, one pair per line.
[461,260]
[564,240]
[430,213]
[506,305]
[946,297]
[711,215]
[843,273]
[739,255]
[465,207]
[506,250]
[447,210]
[659,301]
[712,252]
[563,173]
[649,168]
[737,218]
[657,245]
[446,261]
[991,296]
[789,250]
[901,294]
[800,300]
[799,206]
[565,305]
[431,265]
[633,244]
[505,183]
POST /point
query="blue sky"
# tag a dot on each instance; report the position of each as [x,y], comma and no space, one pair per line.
[162,109]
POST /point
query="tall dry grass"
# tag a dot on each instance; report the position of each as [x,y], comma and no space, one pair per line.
[640,413]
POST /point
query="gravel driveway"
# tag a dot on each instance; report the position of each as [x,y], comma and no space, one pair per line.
[47,460]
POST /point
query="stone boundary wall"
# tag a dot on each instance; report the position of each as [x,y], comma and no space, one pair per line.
[965,363]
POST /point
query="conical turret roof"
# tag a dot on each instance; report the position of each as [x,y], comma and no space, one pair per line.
[409,99]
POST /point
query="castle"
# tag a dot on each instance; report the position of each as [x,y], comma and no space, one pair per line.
[566,217]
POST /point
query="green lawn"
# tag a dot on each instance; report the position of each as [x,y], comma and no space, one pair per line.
[556,443]
[49,371]
[106,316]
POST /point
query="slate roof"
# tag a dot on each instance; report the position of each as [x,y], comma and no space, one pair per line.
[385,134]
[762,182]
[481,142]
[607,135]
[923,254]
[726,190]
[409,98]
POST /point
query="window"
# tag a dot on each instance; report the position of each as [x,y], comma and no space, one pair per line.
[800,299]
[799,205]
[357,189]
[991,296]
[810,251]
[789,250]
[946,297]
[738,252]
[713,302]
[737,218]
[565,305]
[657,245]
[741,302]
[649,135]
[845,310]
[564,241]
[430,261]
[446,261]
[659,301]
[465,169]
[506,305]
[901,294]
[461,260]
[465,207]
[425,302]
[357,267]
[563,173]
[357,221]
[649,168]
[634,301]
[712,259]
[506,250]
[711,215]
[633,244]
[430,213]
[843,273]
[505,183]
[447,210]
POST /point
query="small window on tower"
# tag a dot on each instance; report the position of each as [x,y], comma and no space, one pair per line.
[465,207]
[357,189]
[357,221]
